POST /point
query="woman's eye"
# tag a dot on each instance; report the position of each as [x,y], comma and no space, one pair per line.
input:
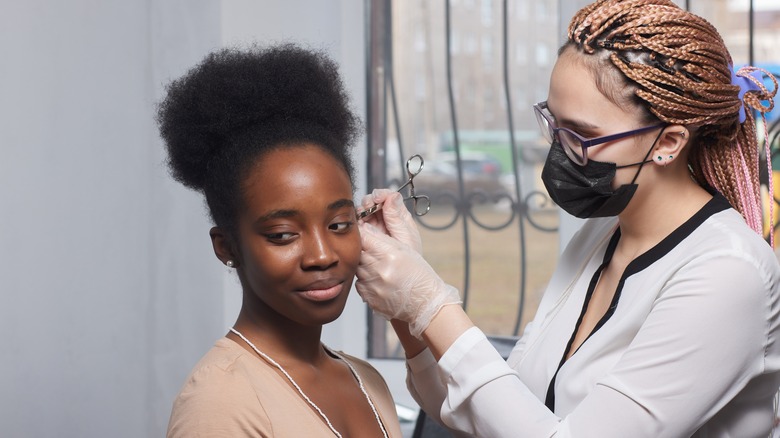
[280,237]
[341,227]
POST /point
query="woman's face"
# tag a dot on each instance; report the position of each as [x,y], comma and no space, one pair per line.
[577,104]
[297,236]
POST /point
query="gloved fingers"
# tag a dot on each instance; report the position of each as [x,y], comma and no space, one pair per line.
[373,240]
[367,201]
[375,219]
[397,282]
[398,222]
[387,254]
[381,253]
[378,196]
[371,285]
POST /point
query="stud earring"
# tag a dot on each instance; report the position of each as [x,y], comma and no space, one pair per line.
[660,158]
[671,157]
[230,264]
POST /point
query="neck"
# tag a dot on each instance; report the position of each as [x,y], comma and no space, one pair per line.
[282,339]
[658,208]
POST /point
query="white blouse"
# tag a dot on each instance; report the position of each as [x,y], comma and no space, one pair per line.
[690,347]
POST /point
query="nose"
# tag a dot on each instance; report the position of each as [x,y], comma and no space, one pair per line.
[318,251]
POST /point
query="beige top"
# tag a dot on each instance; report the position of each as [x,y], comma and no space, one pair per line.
[230,393]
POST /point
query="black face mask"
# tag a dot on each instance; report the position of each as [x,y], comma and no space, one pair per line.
[586,191]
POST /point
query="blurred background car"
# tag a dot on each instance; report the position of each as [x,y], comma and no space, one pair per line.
[481,173]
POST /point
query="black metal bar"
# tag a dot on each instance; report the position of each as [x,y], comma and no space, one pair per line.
[376,124]
[376,95]
[515,163]
[456,142]
[396,119]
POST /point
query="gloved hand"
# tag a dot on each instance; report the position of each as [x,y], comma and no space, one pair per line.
[394,218]
[397,282]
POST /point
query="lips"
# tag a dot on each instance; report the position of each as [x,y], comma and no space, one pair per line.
[322,290]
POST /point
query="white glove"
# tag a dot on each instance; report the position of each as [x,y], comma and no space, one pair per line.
[397,282]
[394,218]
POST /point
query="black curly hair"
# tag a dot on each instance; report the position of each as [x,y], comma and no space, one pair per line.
[236,105]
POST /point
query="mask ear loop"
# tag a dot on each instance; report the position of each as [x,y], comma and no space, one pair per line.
[645,160]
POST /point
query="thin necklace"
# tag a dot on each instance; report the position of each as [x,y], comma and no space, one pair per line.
[305,397]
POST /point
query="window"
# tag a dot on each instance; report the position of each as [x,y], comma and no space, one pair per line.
[497,242]
[420,44]
[486,12]
[542,54]
[469,43]
[541,11]
[487,51]
[521,54]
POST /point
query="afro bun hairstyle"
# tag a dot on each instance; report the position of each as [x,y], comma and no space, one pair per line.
[236,105]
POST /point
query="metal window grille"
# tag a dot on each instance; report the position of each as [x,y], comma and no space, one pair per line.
[518,75]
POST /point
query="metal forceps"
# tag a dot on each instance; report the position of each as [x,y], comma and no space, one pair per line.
[421,203]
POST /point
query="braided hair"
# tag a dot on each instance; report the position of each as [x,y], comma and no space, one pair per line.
[236,105]
[676,66]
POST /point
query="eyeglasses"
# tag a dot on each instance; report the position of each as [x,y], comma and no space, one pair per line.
[575,145]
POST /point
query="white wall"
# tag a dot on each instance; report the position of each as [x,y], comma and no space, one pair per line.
[109,291]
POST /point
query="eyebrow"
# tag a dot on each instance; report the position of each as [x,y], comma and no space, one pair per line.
[576,124]
[341,203]
[277,214]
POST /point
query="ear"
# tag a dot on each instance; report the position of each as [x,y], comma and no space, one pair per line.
[670,144]
[222,246]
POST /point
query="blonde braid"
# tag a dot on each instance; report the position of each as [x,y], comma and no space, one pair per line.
[678,65]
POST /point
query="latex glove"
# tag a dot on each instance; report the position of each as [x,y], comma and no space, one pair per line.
[394,218]
[397,282]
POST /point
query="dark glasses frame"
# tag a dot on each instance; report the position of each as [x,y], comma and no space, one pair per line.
[550,132]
